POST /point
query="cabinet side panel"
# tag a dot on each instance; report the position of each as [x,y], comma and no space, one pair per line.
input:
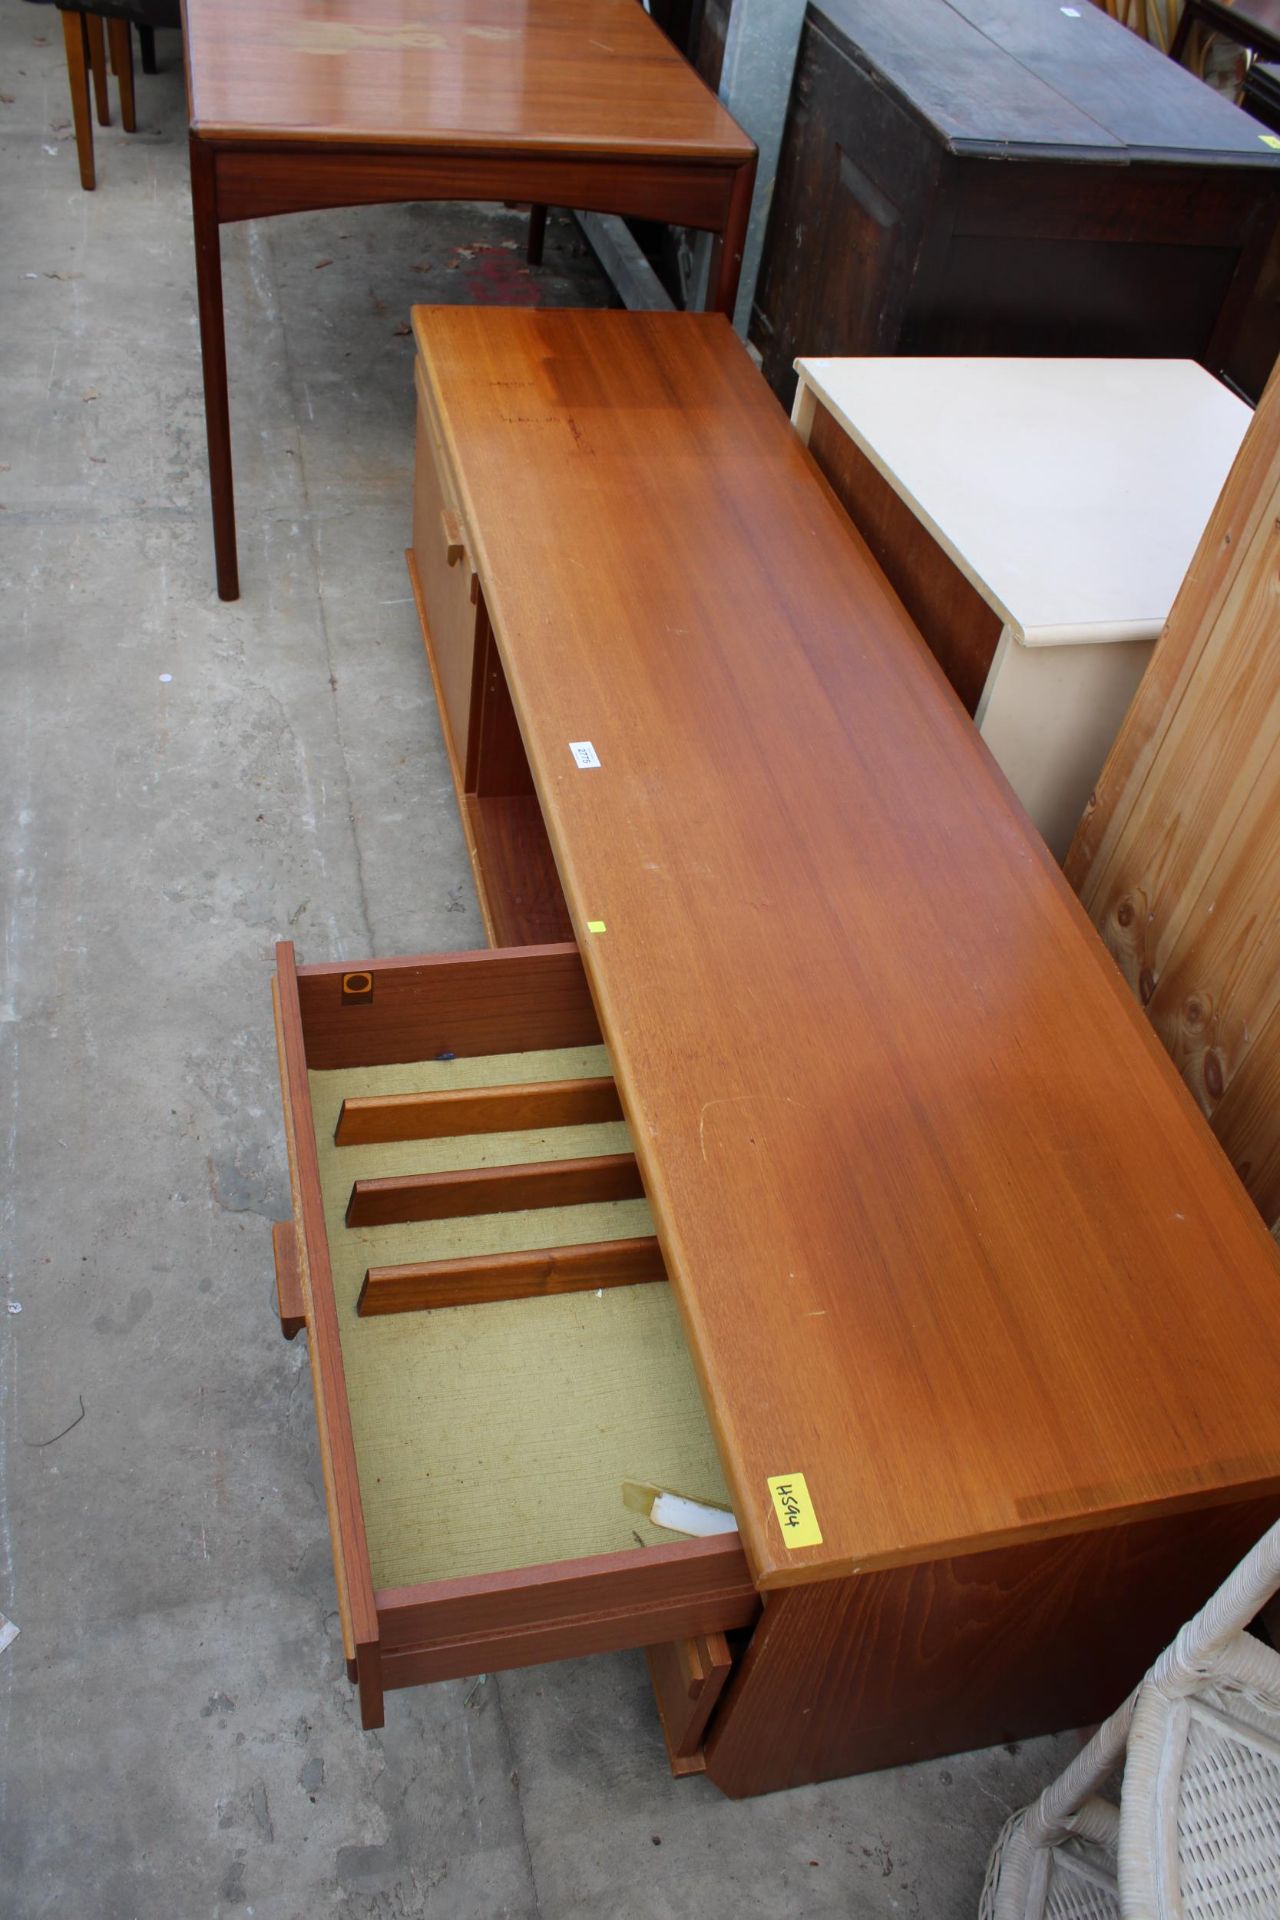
[855,181]
[847,1676]
[958,626]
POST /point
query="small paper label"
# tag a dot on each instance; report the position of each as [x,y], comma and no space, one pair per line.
[794,1509]
[595,926]
[1270,140]
[584,753]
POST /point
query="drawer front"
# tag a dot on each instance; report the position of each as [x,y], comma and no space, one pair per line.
[413,1026]
[696,1590]
[446,578]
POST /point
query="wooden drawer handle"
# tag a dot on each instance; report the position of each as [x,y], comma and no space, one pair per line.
[455,545]
[289,1301]
[455,548]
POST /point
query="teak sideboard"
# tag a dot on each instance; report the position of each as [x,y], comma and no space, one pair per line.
[794,1147]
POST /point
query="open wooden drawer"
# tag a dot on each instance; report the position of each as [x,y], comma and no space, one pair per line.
[494,1350]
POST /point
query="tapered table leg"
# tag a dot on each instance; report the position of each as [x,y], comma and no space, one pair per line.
[726,261]
[213,354]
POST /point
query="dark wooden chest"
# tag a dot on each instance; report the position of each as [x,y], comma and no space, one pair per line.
[1012,176]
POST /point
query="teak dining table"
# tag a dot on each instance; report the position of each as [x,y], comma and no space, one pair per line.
[297,105]
[958,1305]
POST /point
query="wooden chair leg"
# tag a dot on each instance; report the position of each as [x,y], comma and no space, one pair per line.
[98,63]
[77,44]
[147,42]
[121,42]
[537,231]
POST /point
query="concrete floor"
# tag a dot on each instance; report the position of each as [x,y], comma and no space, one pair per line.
[184,782]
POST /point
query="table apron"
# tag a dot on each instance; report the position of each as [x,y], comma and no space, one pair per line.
[255,181]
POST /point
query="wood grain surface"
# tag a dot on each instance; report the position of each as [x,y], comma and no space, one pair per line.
[1177,858]
[948,1235]
[575,75]
[848,1676]
[444,1004]
[499,1620]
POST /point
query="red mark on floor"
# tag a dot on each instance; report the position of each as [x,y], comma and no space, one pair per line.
[498,277]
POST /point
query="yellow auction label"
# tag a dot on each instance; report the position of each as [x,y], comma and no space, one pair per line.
[1269,140]
[794,1509]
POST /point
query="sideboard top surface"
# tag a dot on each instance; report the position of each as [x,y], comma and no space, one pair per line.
[1031,78]
[948,1235]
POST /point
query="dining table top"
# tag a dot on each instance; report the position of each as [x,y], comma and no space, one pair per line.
[575,76]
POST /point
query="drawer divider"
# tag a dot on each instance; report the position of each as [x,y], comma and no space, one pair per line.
[373,1120]
[478,1279]
[460,1192]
